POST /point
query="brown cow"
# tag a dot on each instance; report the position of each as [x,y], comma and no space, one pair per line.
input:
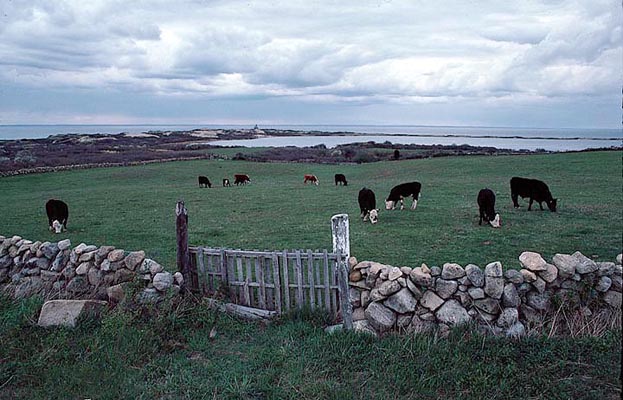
[241,179]
[311,178]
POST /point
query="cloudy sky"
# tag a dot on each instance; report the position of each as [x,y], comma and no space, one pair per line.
[471,62]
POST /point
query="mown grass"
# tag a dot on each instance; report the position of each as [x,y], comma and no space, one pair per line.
[167,354]
[133,207]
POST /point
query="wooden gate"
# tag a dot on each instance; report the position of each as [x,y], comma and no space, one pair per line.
[271,280]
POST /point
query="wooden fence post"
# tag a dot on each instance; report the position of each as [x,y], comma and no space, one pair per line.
[183,255]
[341,246]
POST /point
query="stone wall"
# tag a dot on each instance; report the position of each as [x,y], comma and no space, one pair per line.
[56,270]
[387,298]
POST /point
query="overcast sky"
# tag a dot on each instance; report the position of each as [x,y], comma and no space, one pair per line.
[491,63]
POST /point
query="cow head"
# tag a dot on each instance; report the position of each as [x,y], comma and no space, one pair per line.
[551,204]
[57,226]
[374,216]
[389,205]
[496,222]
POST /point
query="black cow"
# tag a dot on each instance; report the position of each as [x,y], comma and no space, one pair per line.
[367,205]
[241,179]
[411,189]
[226,182]
[486,206]
[203,180]
[58,213]
[340,178]
[535,190]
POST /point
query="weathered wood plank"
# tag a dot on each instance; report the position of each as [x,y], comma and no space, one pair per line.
[268,279]
[242,311]
[202,269]
[286,280]
[276,282]
[299,280]
[259,274]
[310,279]
[245,290]
[327,283]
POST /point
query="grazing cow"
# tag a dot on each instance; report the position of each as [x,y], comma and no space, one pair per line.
[226,182]
[57,214]
[535,190]
[486,205]
[399,192]
[205,182]
[311,178]
[241,179]
[340,178]
[367,205]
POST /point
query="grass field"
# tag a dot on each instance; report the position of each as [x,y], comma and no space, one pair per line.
[133,207]
[168,355]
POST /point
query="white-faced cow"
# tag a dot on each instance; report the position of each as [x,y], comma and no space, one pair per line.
[402,191]
[367,205]
[241,179]
[204,182]
[311,178]
[533,189]
[340,178]
[486,206]
[58,213]
[226,182]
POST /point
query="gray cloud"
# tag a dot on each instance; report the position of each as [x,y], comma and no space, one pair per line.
[369,52]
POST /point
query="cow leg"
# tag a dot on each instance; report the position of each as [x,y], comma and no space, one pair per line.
[414,204]
[402,204]
[514,197]
[530,205]
[541,205]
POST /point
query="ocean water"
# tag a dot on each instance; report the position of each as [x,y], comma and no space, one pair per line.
[558,139]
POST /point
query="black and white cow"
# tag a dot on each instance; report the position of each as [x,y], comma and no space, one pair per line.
[402,191]
[58,213]
[226,182]
[367,205]
[486,206]
[340,178]
[205,182]
[533,189]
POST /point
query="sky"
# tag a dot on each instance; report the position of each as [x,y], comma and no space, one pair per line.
[361,62]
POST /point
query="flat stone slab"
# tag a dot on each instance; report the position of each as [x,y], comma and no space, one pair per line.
[67,312]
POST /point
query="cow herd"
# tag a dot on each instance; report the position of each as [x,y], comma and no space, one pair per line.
[532,189]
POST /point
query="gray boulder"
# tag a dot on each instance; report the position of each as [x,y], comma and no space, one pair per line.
[445,288]
[508,317]
[163,280]
[494,269]
[452,313]
[584,265]
[68,312]
[494,287]
[49,250]
[510,297]
[401,302]
[388,288]
[452,271]
[538,301]
[430,300]
[532,261]
[475,275]
[514,276]
[380,317]
[565,264]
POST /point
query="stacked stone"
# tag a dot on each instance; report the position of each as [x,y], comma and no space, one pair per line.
[56,270]
[418,299]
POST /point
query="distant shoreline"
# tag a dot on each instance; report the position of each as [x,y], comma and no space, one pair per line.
[78,151]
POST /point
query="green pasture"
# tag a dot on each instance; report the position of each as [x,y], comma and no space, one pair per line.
[133,207]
